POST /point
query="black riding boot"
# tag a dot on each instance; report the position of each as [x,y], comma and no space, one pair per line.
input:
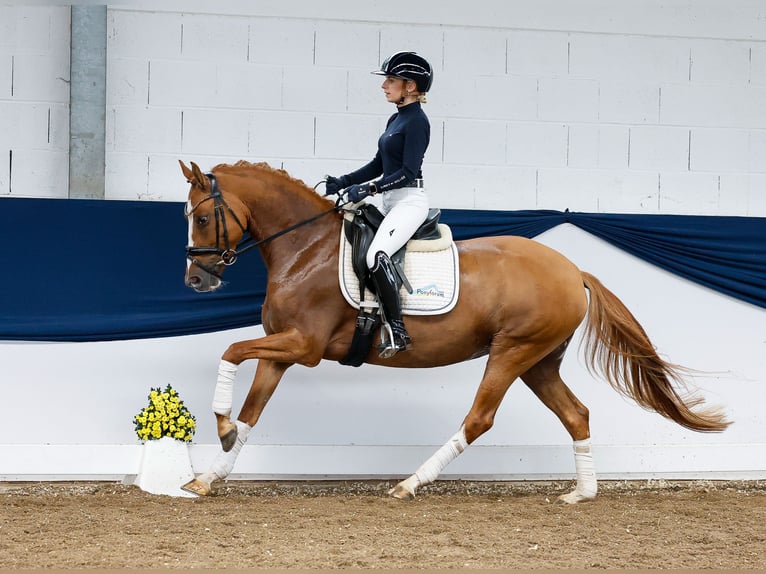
[385,280]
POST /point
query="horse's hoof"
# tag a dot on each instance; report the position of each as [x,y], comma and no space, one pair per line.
[575,497]
[229,438]
[197,487]
[401,492]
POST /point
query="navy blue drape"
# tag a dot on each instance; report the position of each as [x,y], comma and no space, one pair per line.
[86,270]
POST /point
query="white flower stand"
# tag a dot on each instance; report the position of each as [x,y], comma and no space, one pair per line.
[165,466]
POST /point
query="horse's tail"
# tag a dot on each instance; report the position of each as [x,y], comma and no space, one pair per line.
[617,346]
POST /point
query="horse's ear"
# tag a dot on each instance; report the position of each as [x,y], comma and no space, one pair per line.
[188,174]
[194,175]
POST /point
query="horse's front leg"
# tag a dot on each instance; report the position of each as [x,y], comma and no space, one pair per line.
[275,353]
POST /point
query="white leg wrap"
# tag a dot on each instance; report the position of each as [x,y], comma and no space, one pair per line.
[224,388]
[587,487]
[586,473]
[224,462]
[431,468]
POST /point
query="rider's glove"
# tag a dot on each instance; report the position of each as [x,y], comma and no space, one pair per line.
[334,184]
[357,193]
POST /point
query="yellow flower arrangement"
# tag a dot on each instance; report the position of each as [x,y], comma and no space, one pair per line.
[165,416]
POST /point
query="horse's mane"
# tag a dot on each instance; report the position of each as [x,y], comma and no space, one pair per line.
[243,167]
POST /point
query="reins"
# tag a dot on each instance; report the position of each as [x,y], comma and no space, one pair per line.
[228,255]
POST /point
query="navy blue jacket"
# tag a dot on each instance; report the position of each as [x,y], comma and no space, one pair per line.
[400,151]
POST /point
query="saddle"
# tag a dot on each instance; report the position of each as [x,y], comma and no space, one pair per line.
[359,231]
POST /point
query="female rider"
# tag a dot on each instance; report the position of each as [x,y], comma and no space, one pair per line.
[399,159]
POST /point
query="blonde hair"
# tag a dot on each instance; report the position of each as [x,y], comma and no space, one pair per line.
[422,99]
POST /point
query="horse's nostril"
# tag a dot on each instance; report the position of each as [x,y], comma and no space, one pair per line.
[194,281]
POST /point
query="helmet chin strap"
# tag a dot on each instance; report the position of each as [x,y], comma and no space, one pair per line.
[403,99]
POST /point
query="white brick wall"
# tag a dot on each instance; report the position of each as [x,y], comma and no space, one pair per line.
[34,98]
[650,110]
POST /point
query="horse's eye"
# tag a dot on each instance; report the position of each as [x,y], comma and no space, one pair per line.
[202,219]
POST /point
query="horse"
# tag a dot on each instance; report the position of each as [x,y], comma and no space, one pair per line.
[519,304]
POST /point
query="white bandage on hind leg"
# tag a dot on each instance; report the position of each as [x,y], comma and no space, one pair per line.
[224,388]
[224,462]
[587,485]
[430,469]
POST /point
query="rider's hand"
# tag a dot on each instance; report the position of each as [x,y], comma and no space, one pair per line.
[334,184]
[357,193]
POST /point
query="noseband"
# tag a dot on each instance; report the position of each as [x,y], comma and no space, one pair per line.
[228,255]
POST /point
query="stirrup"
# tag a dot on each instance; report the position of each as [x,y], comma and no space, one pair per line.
[391,345]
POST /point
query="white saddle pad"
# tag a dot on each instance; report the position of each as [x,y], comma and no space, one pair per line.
[431,267]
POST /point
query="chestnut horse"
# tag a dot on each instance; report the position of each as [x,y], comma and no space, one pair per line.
[520,303]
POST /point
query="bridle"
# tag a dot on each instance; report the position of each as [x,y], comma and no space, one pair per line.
[228,255]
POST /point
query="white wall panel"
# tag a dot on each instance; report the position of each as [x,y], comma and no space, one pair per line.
[180,83]
[24,124]
[474,52]
[690,193]
[503,97]
[537,144]
[33,29]
[243,85]
[635,58]
[573,189]
[309,89]
[220,39]
[460,187]
[143,34]
[5,171]
[347,45]
[758,64]
[627,102]
[144,128]
[630,191]
[40,173]
[598,146]
[128,81]
[537,53]
[474,142]
[719,150]
[164,179]
[743,192]
[126,176]
[734,19]
[209,131]
[454,95]
[41,77]
[713,105]
[348,136]
[281,134]
[720,62]
[281,42]
[572,100]
[757,152]
[6,76]
[659,148]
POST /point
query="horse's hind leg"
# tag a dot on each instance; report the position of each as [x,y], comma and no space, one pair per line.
[506,362]
[545,381]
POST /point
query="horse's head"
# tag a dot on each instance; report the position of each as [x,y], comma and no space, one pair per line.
[215,227]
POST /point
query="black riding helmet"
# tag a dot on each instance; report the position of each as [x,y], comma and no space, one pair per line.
[408,66]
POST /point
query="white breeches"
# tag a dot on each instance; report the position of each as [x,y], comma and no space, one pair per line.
[404,209]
